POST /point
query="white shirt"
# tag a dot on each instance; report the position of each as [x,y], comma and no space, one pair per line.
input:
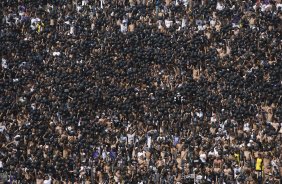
[123,26]
[213,153]
[199,178]
[213,119]
[183,22]
[219,6]
[78,8]
[236,170]
[199,114]
[168,23]
[2,128]
[212,23]
[72,29]
[246,127]
[101,3]
[265,6]
[130,138]
[47,181]
[149,141]
[176,3]
[84,2]
[104,155]
[203,157]
[123,138]
[4,63]
[185,2]
[34,22]
[140,154]
[56,53]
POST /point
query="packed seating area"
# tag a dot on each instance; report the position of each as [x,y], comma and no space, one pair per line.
[140,91]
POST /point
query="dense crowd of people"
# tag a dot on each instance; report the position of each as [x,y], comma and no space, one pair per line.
[140,91]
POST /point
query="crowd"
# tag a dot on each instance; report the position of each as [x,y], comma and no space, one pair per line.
[140,91]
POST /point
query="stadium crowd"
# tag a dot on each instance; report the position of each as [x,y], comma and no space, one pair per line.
[140,91]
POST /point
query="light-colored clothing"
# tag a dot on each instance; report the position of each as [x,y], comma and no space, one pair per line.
[259,166]
[49,181]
